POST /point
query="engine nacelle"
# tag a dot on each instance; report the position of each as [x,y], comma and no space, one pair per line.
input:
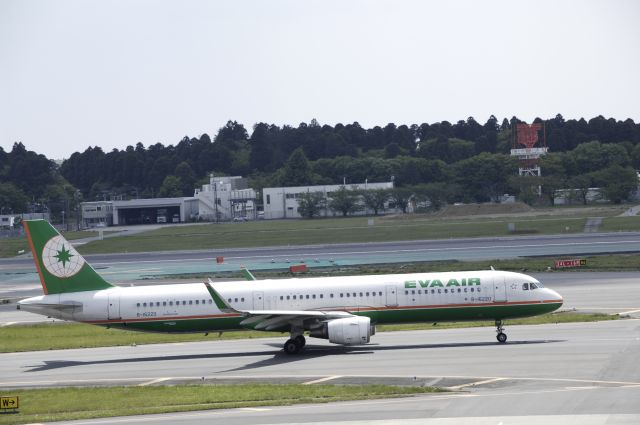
[347,331]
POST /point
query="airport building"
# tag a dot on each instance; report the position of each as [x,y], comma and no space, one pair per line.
[223,199]
[282,202]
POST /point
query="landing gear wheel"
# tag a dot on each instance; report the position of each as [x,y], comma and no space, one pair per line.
[292,347]
[300,340]
[501,337]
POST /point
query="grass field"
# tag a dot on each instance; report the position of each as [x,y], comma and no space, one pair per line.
[55,336]
[64,404]
[10,247]
[320,231]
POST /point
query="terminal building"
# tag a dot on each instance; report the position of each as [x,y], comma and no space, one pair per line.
[282,202]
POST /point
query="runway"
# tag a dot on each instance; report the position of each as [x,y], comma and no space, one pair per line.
[564,370]
[19,278]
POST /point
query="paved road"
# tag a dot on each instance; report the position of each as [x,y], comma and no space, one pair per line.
[19,278]
[566,371]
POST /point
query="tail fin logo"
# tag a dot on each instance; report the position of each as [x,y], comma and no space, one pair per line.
[60,258]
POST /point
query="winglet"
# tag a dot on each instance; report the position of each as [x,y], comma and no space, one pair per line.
[247,274]
[220,302]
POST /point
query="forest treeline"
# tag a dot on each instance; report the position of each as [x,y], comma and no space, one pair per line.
[460,162]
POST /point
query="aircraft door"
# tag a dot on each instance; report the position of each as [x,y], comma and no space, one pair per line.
[114,307]
[392,296]
[258,300]
[499,289]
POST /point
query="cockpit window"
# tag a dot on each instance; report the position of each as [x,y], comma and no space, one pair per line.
[525,286]
[532,285]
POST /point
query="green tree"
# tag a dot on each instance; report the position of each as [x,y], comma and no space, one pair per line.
[375,199]
[617,182]
[12,199]
[297,171]
[171,187]
[401,197]
[310,204]
[187,177]
[345,201]
[581,185]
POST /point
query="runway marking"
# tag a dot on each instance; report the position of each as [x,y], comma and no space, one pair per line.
[154,381]
[629,312]
[325,379]
[473,384]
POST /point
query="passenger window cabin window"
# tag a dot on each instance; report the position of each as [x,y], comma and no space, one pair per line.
[406,292]
[478,289]
[241,299]
[348,295]
[361,294]
[144,304]
[288,297]
[367,294]
[235,299]
[229,300]
[354,295]
[190,302]
[321,295]
[294,297]
[197,301]
[164,303]
[471,289]
[465,289]
[307,296]
[525,286]
[170,302]
[330,295]
[281,298]
[419,291]
[380,293]
[459,290]
[341,295]
[137,304]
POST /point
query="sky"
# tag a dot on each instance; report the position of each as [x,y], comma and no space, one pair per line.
[111,73]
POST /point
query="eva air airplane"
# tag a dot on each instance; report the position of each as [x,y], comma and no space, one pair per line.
[343,310]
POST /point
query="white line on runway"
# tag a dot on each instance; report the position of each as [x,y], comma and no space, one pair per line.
[473,384]
[317,381]
[629,312]
[154,381]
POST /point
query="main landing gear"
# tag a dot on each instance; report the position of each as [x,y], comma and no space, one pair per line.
[501,336]
[295,344]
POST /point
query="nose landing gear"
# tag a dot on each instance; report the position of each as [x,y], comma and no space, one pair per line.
[501,336]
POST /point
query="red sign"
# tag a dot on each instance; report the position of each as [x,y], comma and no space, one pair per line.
[570,263]
[299,268]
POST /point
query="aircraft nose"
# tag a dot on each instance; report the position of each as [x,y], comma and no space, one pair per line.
[556,296]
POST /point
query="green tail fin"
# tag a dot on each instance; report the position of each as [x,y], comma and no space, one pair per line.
[61,268]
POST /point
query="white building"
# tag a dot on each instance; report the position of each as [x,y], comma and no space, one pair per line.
[225,199]
[282,202]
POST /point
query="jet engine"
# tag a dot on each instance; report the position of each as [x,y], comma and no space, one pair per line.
[348,331]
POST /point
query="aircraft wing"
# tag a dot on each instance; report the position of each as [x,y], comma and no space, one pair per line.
[275,320]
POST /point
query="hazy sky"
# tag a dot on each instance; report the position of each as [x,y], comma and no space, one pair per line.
[114,73]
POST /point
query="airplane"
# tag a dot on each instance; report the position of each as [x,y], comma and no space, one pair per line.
[344,310]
